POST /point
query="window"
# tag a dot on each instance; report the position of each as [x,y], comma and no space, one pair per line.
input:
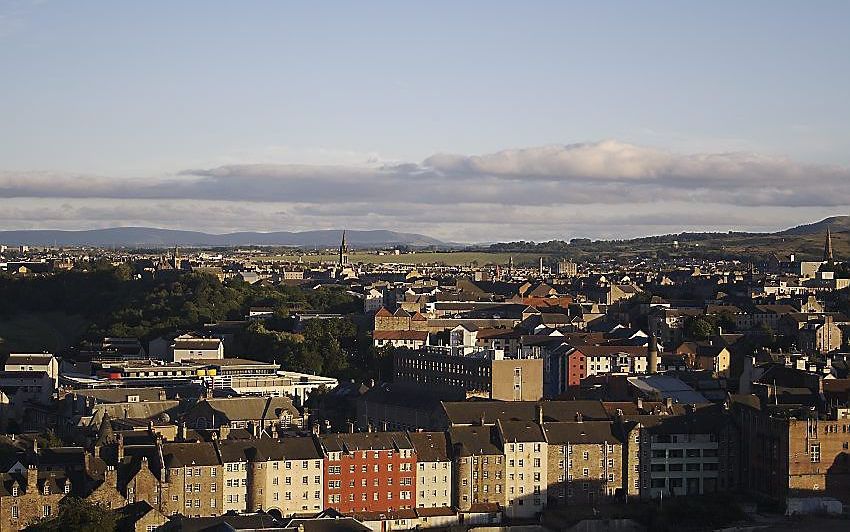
[14,512]
[814,453]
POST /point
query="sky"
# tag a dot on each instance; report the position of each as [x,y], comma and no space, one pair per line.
[473,121]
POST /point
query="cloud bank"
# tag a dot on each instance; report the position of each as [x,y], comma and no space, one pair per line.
[605,189]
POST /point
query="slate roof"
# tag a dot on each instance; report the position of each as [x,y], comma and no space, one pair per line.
[430,446]
[470,412]
[581,432]
[365,441]
[474,440]
[189,454]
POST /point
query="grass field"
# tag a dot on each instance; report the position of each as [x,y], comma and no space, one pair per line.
[36,332]
[447,258]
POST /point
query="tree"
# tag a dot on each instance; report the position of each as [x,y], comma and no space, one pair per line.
[78,515]
[700,328]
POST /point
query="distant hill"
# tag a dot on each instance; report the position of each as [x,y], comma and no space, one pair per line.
[161,238]
[836,224]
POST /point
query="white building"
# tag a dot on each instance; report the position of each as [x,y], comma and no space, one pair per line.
[38,362]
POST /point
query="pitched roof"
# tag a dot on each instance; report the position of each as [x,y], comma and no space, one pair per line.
[189,454]
[430,446]
[249,408]
[581,432]
[474,440]
[365,441]
[471,412]
[521,431]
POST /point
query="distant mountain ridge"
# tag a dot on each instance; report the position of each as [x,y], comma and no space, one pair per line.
[163,238]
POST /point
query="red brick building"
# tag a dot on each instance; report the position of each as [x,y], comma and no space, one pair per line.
[369,471]
[576,368]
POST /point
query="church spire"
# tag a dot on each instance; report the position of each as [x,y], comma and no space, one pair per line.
[827,247]
[343,251]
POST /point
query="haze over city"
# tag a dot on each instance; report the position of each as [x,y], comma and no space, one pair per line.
[466,122]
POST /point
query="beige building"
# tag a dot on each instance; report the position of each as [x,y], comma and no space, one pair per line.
[482,373]
[479,466]
[234,482]
[433,469]
[193,479]
[268,474]
[526,463]
[188,347]
[585,462]
[517,380]
[303,477]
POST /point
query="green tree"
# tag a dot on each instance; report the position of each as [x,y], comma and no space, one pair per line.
[78,515]
[700,328]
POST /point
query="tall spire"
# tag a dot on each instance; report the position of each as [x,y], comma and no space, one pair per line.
[343,251]
[827,247]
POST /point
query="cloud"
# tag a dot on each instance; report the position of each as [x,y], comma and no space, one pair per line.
[597,187]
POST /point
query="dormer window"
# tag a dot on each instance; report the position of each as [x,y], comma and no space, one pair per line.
[67,487]
[15,490]
[46,489]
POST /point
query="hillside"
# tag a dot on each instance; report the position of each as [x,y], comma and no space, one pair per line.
[836,224]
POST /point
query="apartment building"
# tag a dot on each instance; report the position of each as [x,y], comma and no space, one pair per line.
[303,472]
[787,451]
[369,471]
[526,462]
[479,466]
[193,479]
[483,372]
[433,469]
[585,462]
[690,454]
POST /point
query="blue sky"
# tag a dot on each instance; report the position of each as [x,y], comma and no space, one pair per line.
[270,115]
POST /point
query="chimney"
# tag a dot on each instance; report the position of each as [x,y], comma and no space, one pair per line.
[579,417]
[32,479]
[668,402]
[120,439]
[35,445]
[181,431]
[109,476]
[538,411]
[350,427]
[639,403]
[652,355]
[481,420]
